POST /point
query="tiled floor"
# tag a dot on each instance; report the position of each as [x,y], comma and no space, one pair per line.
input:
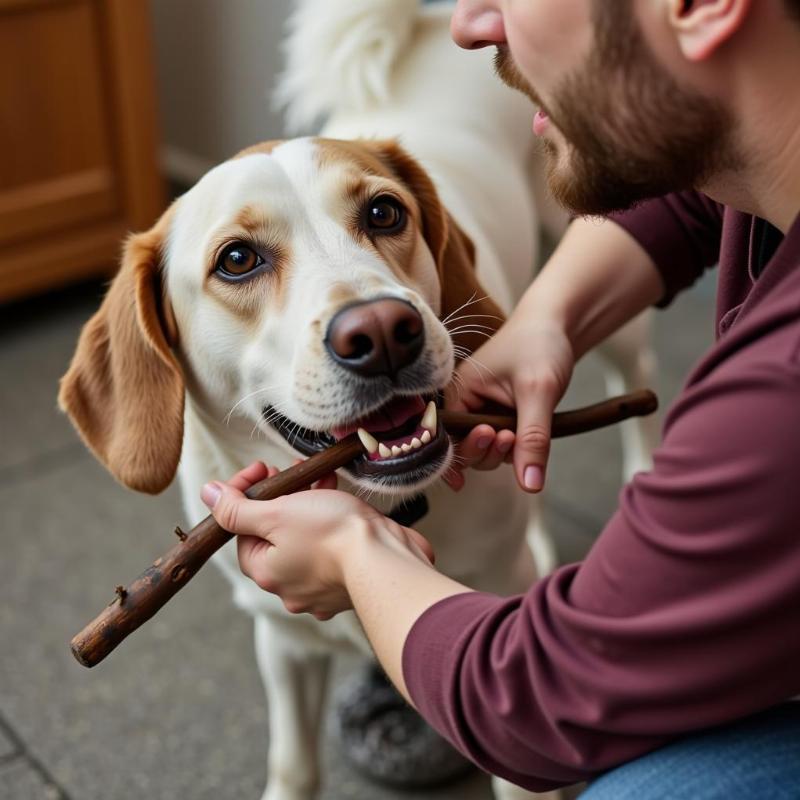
[177,711]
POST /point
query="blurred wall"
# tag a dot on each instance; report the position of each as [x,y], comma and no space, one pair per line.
[216,62]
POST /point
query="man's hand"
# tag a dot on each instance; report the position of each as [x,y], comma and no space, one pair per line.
[581,296]
[297,546]
[527,365]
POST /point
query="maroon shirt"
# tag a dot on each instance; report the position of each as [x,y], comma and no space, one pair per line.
[686,612]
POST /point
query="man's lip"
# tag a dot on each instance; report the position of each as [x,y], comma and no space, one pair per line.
[541,122]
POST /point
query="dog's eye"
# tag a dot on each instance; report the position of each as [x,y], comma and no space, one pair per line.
[238,259]
[385,215]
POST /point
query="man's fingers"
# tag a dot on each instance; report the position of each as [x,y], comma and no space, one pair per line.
[454,478]
[251,474]
[254,564]
[484,448]
[452,397]
[328,481]
[235,512]
[532,442]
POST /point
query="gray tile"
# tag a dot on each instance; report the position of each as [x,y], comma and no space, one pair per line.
[178,709]
[19,781]
[171,712]
[8,748]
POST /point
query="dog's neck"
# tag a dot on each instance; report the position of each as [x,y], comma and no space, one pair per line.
[230,443]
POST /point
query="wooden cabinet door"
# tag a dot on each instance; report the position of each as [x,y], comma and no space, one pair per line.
[78,140]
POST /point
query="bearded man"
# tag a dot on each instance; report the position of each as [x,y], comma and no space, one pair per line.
[663,665]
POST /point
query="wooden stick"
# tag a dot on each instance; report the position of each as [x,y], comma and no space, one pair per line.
[139,601]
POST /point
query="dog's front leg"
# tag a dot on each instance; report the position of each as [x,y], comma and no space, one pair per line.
[296,683]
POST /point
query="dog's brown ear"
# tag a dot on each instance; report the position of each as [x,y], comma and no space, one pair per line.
[124,389]
[464,299]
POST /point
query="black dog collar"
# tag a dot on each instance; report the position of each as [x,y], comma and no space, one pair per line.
[410,511]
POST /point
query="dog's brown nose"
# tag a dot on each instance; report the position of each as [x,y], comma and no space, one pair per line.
[376,337]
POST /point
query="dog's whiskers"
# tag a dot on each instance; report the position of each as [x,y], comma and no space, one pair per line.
[227,418]
[481,367]
[451,320]
[458,460]
[458,383]
[256,428]
[273,415]
[476,325]
[472,300]
[471,329]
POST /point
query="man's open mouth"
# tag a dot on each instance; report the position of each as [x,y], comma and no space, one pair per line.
[403,440]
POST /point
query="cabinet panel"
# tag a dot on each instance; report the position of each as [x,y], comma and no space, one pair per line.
[78,142]
[57,169]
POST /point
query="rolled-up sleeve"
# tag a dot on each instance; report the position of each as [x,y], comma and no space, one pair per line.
[684,614]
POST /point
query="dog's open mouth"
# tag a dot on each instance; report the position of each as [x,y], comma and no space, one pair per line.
[403,441]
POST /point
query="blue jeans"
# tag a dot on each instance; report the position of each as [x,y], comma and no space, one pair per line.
[757,758]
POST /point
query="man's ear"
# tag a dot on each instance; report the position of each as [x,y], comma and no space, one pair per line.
[124,389]
[702,26]
[464,300]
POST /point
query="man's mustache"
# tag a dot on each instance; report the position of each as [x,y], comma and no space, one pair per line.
[509,73]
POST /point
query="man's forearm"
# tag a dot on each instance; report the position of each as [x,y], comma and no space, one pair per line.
[390,590]
[598,278]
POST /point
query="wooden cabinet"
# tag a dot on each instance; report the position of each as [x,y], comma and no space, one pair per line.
[78,138]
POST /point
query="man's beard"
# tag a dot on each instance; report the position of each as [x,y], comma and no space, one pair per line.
[631,131]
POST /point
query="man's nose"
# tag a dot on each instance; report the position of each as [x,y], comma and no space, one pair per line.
[477,23]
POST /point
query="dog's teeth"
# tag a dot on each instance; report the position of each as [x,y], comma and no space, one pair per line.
[406,448]
[429,418]
[416,443]
[396,451]
[368,440]
[384,451]
[426,437]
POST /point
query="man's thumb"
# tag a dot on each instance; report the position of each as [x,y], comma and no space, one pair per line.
[531,447]
[233,511]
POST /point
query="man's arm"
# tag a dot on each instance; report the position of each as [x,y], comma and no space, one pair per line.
[682,616]
[598,278]
[606,271]
[602,274]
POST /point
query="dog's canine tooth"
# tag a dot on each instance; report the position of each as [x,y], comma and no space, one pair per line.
[368,440]
[426,437]
[396,451]
[384,451]
[429,418]
[416,443]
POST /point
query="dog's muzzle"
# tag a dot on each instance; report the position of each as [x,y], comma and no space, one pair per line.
[404,444]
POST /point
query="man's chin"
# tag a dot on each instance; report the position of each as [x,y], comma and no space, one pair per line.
[589,193]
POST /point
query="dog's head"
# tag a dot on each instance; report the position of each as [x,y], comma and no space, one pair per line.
[314,286]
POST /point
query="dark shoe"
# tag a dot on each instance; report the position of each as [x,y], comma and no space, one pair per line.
[386,740]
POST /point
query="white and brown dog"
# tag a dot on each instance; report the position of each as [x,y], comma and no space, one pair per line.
[309,287]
